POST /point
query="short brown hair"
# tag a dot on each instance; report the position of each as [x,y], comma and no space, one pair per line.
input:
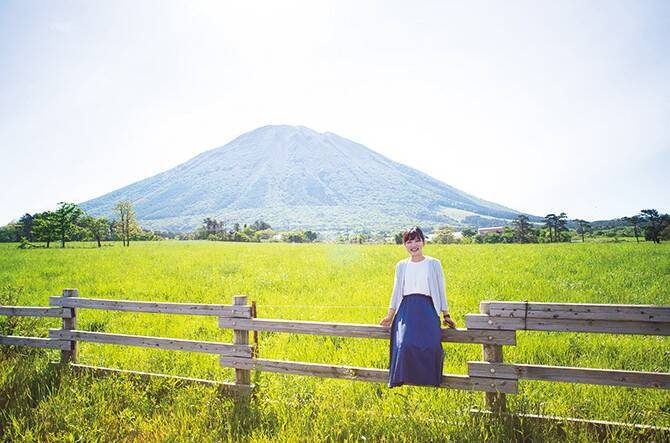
[413,233]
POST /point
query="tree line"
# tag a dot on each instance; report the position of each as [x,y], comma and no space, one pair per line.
[216,230]
[69,222]
[649,223]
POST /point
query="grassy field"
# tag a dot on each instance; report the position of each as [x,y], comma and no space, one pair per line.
[327,282]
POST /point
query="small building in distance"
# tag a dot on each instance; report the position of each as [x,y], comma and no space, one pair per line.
[490,230]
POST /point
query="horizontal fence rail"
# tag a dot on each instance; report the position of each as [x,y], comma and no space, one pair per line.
[33,342]
[32,311]
[173,344]
[464,382]
[152,307]
[361,330]
[489,322]
[610,377]
[579,311]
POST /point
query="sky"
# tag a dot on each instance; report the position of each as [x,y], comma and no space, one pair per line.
[541,106]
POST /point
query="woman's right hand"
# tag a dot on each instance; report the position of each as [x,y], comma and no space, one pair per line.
[386,321]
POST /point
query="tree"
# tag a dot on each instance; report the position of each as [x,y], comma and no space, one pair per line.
[44,227]
[557,224]
[213,226]
[10,232]
[665,232]
[99,227]
[398,238]
[66,218]
[522,229]
[26,223]
[469,232]
[582,227]
[260,225]
[311,236]
[654,224]
[443,235]
[549,223]
[126,225]
[636,221]
[561,226]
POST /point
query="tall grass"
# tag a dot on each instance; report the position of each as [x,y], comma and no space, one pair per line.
[325,282]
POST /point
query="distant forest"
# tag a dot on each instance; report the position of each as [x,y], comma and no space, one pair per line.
[71,223]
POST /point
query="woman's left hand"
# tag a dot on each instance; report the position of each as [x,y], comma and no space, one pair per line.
[449,322]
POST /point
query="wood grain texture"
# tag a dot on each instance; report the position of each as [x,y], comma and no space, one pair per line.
[581,311]
[241,338]
[33,311]
[482,321]
[464,382]
[173,344]
[609,377]
[34,342]
[153,307]
[69,322]
[362,330]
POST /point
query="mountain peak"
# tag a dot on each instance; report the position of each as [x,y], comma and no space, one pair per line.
[295,177]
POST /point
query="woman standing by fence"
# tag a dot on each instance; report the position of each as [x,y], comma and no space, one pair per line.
[416,355]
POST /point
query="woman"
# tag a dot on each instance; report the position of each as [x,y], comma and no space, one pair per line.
[416,354]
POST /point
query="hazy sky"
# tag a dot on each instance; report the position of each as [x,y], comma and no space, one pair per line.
[542,106]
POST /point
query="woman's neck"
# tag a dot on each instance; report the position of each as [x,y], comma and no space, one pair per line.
[417,258]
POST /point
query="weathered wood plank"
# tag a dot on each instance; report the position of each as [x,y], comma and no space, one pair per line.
[31,311]
[241,337]
[580,311]
[362,331]
[226,388]
[33,342]
[610,377]
[153,342]
[481,321]
[464,382]
[492,353]
[153,307]
[600,326]
[495,401]
[69,322]
[493,370]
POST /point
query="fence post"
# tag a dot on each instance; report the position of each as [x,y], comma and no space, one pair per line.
[69,323]
[242,376]
[495,401]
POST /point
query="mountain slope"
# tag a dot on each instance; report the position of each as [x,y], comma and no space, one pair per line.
[294,177]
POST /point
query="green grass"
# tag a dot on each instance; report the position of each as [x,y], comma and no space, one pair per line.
[325,282]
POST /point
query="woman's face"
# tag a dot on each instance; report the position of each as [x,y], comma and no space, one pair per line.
[414,247]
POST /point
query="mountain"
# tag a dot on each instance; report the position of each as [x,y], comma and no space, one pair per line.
[294,177]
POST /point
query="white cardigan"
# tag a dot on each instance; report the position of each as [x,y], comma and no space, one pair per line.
[435,284]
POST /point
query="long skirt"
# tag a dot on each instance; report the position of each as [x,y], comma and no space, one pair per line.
[416,355]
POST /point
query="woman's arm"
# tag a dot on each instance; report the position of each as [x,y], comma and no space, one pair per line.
[386,321]
[447,321]
[395,299]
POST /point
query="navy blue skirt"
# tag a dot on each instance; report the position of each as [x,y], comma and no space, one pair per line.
[416,355]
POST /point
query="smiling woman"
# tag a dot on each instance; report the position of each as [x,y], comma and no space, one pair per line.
[416,355]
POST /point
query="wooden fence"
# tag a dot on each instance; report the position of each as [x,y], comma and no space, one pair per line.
[494,327]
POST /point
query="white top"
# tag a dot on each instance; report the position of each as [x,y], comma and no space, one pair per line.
[416,278]
[436,284]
